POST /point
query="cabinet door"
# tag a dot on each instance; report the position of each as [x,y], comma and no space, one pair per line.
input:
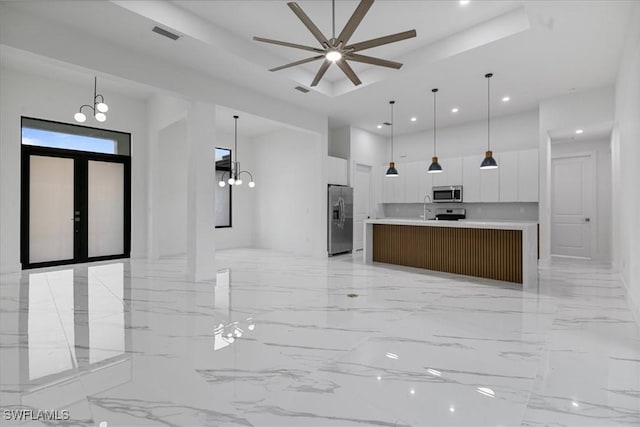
[393,188]
[508,172]
[471,178]
[489,185]
[412,181]
[528,175]
[425,182]
[454,167]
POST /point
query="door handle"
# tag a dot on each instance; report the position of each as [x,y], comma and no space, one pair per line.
[587,220]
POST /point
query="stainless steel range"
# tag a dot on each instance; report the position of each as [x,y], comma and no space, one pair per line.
[452,214]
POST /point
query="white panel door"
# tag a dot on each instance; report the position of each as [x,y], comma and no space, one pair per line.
[105,208]
[412,182]
[572,206]
[528,175]
[361,203]
[51,209]
[471,178]
[508,172]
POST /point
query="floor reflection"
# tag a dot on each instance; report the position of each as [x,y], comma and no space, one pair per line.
[226,333]
[74,322]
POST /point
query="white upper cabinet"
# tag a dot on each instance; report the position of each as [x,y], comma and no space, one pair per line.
[508,170]
[489,185]
[528,175]
[393,189]
[451,172]
[425,182]
[471,178]
[412,179]
[337,171]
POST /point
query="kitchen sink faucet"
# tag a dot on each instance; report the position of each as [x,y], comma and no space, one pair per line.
[424,207]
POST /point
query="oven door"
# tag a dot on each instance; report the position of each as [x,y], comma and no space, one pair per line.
[443,195]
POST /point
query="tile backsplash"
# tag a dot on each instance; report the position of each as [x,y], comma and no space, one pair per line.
[503,211]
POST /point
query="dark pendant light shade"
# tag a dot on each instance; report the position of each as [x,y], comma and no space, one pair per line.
[434,167]
[392,171]
[489,162]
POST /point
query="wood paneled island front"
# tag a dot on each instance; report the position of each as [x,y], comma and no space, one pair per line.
[499,250]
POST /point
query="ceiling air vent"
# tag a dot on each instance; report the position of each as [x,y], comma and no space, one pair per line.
[165,33]
[387,124]
[302,89]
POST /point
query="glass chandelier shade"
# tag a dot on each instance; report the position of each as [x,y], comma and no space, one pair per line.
[236,172]
[98,109]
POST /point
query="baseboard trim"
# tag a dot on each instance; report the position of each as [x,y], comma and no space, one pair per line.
[635,304]
[11,268]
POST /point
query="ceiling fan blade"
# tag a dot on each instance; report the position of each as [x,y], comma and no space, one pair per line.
[346,68]
[354,21]
[293,64]
[381,40]
[320,73]
[308,23]
[374,61]
[287,44]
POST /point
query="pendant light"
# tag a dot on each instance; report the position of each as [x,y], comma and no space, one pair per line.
[392,172]
[99,108]
[434,167]
[489,162]
[235,175]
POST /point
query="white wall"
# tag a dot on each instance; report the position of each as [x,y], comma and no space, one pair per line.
[340,142]
[172,189]
[240,234]
[508,133]
[626,152]
[572,111]
[369,149]
[602,151]
[287,209]
[31,95]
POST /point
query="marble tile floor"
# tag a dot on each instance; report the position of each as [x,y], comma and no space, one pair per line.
[276,340]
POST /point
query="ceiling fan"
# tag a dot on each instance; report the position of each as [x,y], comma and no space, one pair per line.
[336,49]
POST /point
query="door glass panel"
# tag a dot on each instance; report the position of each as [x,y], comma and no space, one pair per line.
[105,208]
[51,225]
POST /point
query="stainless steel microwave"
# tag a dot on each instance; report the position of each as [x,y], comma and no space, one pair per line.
[448,194]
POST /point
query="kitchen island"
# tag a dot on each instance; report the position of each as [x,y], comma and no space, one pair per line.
[499,250]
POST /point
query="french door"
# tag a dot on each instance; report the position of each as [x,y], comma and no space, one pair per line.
[76,206]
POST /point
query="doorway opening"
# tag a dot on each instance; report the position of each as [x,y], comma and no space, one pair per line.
[75,194]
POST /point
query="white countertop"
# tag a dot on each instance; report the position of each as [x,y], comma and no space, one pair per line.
[464,223]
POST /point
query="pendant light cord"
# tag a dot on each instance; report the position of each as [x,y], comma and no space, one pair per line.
[434,121]
[235,163]
[488,76]
[392,102]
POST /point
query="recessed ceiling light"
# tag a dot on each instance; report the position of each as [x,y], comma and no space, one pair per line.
[454,110]
[379,126]
[464,2]
[413,119]
[506,99]
[579,131]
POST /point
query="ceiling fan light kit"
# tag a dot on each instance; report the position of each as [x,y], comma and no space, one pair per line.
[336,50]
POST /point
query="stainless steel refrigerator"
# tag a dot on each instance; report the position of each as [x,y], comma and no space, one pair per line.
[340,227]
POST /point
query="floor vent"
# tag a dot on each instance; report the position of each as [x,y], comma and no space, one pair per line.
[302,89]
[165,33]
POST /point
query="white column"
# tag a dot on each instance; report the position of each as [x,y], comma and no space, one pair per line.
[201,192]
